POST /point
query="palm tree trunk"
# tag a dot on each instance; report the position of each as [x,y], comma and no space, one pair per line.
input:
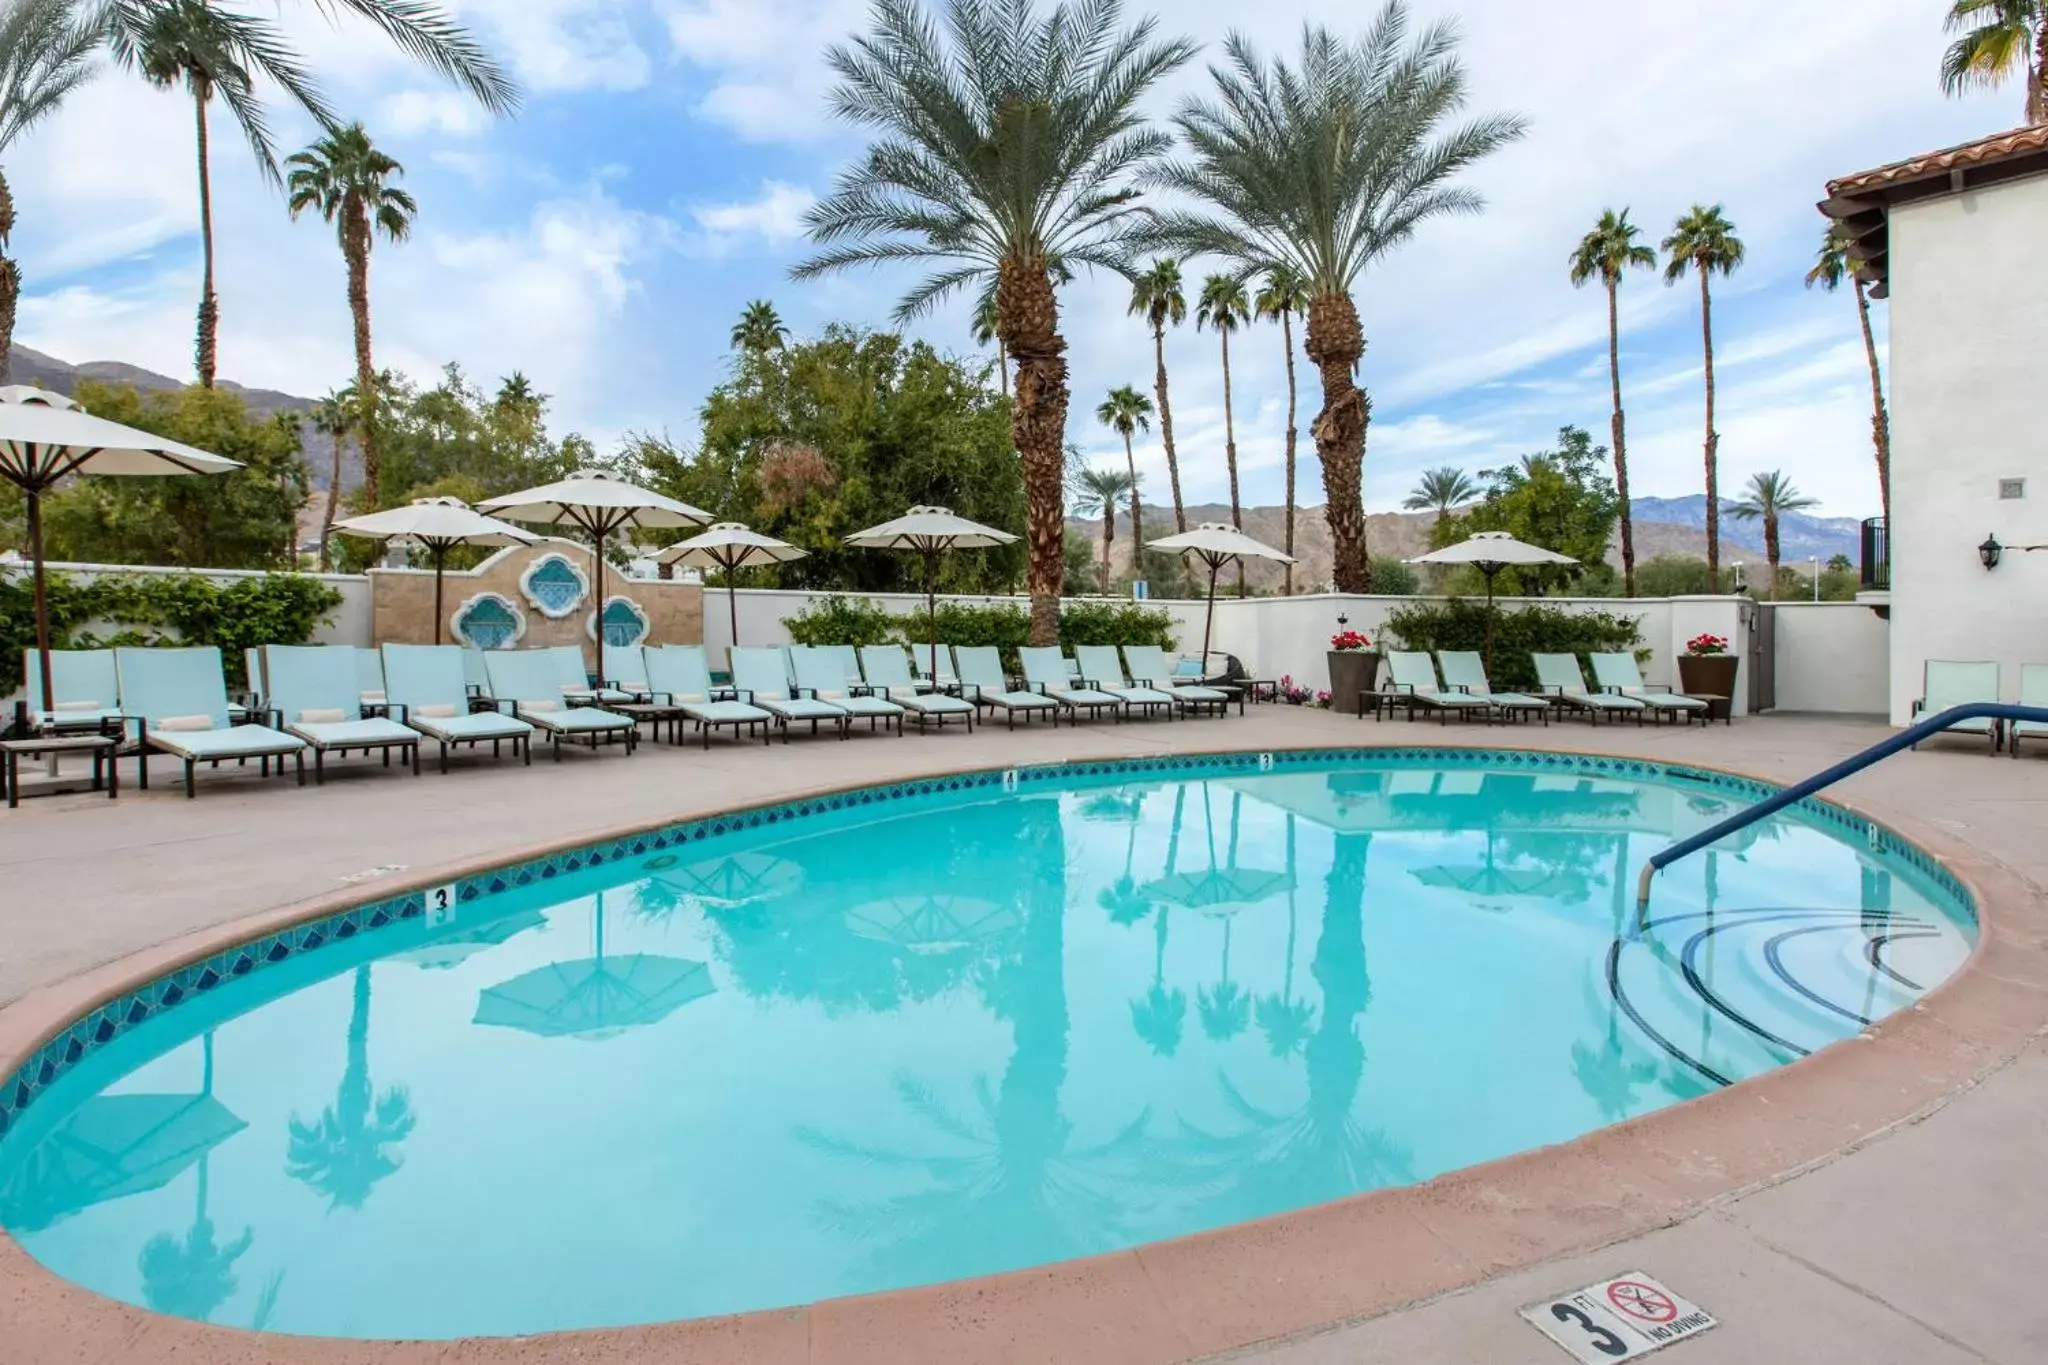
[1334,344]
[10,281]
[209,306]
[1230,450]
[333,500]
[1880,425]
[1108,538]
[1287,341]
[1028,312]
[1628,532]
[1003,366]
[1137,516]
[2037,77]
[1180,515]
[357,250]
[1771,547]
[1713,440]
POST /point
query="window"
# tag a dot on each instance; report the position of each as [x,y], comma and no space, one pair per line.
[2010,490]
[625,624]
[488,621]
[554,585]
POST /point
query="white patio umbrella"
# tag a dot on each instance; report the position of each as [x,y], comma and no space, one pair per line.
[1490,552]
[930,531]
[1216,544]
[729,546]
[599,505]
[44,437]
[438,525]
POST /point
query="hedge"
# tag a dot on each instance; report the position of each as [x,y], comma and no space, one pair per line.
[1461,624]
[836,620]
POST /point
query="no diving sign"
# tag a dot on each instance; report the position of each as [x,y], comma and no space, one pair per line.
[1619,1319]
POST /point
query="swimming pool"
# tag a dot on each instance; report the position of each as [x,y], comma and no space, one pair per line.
[940,1029]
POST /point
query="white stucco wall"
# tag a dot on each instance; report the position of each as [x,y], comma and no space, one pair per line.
[349,624]
[1969,329]
[1832,656]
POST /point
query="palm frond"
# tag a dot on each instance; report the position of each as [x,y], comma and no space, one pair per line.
[45,54]
[432,38]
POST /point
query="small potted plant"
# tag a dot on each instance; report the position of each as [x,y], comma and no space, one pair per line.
[1354,667]
[1707,670]
[1293,693]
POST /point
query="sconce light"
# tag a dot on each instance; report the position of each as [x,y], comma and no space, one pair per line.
[1342,619]
[1990,551]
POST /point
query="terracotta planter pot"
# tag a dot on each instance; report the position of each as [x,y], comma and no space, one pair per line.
[1353,672]
[1710,677]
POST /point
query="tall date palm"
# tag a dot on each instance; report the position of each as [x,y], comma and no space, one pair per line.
[1704,241]
[1284,294]
[1156,296]
[1223,308]
[1102,490]
[1127,412]
[348,182]
[1608,251]
[45,54]
[1443,491]
[1837,261]
[1769,496]
[760,329]
[1326,166]
[1009,144]
[1995,39]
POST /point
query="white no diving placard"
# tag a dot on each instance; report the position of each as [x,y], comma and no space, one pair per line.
[1618,1319]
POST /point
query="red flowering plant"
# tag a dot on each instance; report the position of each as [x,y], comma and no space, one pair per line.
[1706,646]
[1345,640]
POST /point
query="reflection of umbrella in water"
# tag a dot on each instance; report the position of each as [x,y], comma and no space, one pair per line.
[109,1147]
[933,923]
[735,880]
[595,997]
[1490,884]
[1219,890]
[446,950]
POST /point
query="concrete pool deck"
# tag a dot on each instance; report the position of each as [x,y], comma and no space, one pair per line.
[1885,1200]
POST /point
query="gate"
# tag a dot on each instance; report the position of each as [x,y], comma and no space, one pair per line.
[1763,659]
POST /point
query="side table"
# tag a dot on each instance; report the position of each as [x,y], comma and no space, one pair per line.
[102,747]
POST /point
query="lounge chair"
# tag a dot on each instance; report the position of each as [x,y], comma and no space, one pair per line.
[528,683]
[679,676]
[572,677]
[1148,666]
[424,688]
[1413,679]
[625,673]
[1559,677]
[948,679]
[316,691]
[1104,671]
[2033,692]
[820,673]
[1464,671]
[887,669]
[369,675]
[982,682]
[252,671]
[1618,675]
[178,702]
[86,686]
[1948,683]
[476,672]
[1045,672]
[761,679]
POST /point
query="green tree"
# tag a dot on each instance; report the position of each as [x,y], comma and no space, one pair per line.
[1768,497]
[1704,241]
[1841,563]
[45,53]
[760,328]
[1224,307]
[1127,412]
[1442,491]
[454,430]
[345,179]
[1998,39]
[1560,499]
[1607,252]
[1097,493]
[1156,296]
[985,332]
[1008,144]
[1284,294]
[1326,167]
[348,1149]
[333,417]
[1838,261]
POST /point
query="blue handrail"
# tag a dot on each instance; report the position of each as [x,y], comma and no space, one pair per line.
[1905,739]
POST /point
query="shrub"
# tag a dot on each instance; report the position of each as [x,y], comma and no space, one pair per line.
[1114,623]
[837,620]
[1461,624]
[1001,624]
[1392,577]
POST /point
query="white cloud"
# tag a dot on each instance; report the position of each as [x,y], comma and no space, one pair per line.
[411,112]
[766,59]
[776,216]
[558,45]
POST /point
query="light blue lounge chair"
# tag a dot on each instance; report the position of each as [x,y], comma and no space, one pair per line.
[87,688]
[760,677]
[1618,674]
[948,679]
[887,670]
[1559,677]
[1949,683]
[982,682]
[2033,692]
[572,677]
[178,701]
[1464,671]
[528,682]
[820,674]
[847,660]
[625,673]
[316,692]
[679,676]
[1045,672]
[476,671]
[424,689]
[369,675]
[1103,670]
[1413,680]
[252,669]
[1148,666]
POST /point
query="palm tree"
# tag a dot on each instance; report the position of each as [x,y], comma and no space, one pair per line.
[342,1155]
[1225,1009]
[1607,251]
[349,183]
[1769,496]
[1999,38]
[45,54]
[1837,261]
[1009,144]
[1442,491]
[193,1276]
[1703,240]
[1327,167]
[1099,491]
[1160,1015]
[333,417]
[985,332]
[1225,307]
[759,330]
[1126,412]
[1284,294]
[1284,1020]
[1155,294]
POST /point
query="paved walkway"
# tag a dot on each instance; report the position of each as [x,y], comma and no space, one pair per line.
[1926,1243]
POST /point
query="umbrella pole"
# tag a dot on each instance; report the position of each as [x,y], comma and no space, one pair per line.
[1489,623]
[931,605]
[439,549]
[732,609]
[35,553]
[1209,620]
[597,536]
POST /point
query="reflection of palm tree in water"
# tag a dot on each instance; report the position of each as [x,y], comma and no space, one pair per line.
[1606,1074]
[1284,1020]
[1124,902]
[344,1155]
[1159,1015]
[1225,1009]
[193,1276]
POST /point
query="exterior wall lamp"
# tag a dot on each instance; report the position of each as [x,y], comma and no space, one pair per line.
[1990,551]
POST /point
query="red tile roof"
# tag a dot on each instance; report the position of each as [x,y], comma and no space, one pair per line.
[1983,152]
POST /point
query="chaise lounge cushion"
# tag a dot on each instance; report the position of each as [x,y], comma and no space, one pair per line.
[347,734]
[242,741]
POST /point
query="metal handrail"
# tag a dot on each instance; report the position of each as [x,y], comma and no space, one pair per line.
[1905,739]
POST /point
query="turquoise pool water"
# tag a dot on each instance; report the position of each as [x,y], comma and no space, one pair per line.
[958,1032]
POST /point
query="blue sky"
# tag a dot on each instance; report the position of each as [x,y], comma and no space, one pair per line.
[604,240]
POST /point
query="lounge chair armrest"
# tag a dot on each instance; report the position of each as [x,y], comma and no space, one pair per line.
[1396,689]
[1549,690]
[504,706]
[272,718]
[404,709]
[742,694]
[971,691]
[473,689]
